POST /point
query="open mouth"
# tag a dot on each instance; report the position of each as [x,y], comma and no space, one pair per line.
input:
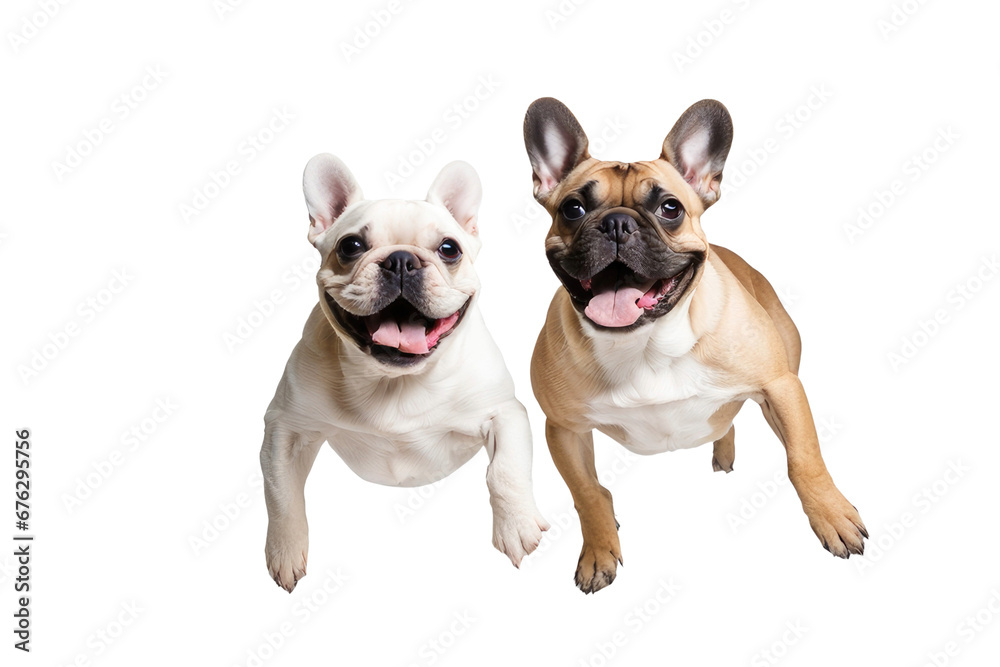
[617,297]
[399,334]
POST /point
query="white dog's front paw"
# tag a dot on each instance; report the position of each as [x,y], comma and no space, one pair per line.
[517,533]
[286,558]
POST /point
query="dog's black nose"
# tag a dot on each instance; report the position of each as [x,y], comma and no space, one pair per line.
[618,226]
[401,262]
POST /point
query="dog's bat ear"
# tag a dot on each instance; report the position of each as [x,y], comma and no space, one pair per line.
[459,190]
[555,141]
[698,145]
[330,188]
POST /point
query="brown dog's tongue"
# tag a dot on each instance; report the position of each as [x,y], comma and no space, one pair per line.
[410,337]
[615,307]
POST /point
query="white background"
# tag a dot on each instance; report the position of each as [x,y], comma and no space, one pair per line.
[892,430]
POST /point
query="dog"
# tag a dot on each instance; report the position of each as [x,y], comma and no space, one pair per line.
[656,337]
[395,368]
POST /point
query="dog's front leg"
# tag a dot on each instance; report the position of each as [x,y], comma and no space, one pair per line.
[573,454]
[517,524]
[285,460]
[834,520]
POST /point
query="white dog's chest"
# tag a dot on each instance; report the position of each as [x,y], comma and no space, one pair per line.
[413,459]
[651,409]
[407,439]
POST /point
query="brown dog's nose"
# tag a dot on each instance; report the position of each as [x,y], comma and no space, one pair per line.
[617,226]
[401,262]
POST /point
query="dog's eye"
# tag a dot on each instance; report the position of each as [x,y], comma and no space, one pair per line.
[671,209]
[572,209]
[449,250]
[351,247]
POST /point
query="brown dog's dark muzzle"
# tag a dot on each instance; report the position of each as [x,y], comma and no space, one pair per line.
[618,226]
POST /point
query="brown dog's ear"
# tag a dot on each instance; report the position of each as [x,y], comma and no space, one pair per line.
[698,145]
[330,188]
[555,141]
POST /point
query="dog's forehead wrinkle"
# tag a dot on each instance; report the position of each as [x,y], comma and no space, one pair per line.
[408,222]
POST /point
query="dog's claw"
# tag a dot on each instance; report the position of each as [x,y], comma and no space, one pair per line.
[838,525]
[595,570]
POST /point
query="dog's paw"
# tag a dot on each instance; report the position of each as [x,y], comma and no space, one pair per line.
[597,567]
[724,452]
[286,560]
[517,534]
[838,525]
[721,466]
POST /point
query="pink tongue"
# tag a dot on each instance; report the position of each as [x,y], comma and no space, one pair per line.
[411,337]
[615,307]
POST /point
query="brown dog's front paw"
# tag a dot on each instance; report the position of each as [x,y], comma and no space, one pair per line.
[838,526]
[597,567]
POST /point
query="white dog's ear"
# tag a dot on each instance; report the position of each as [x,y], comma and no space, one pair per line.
[330,188]
[698,145]
[459,190]
[555,141]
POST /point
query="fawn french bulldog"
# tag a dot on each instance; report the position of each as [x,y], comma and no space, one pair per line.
[657,337]
[395,368]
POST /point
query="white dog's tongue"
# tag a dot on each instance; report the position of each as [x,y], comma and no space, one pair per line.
[410,337]
[615,306]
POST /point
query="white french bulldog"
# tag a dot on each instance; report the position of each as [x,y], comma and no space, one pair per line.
[395,369]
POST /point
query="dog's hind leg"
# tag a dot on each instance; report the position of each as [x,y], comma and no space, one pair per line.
[724,451]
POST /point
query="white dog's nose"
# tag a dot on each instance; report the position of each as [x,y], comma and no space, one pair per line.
[401,262]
